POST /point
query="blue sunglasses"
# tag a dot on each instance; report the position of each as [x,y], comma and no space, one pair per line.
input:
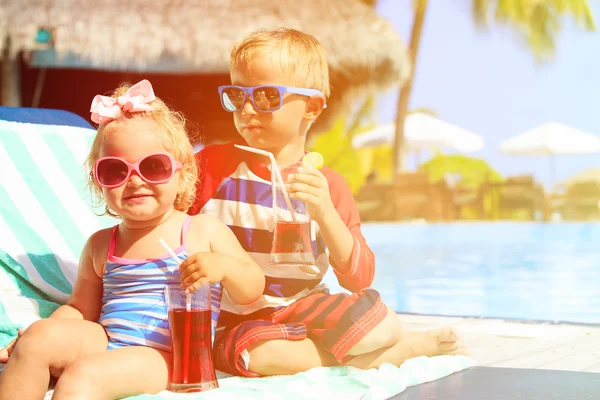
[265,98]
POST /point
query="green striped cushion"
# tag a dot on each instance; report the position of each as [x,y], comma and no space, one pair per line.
[45,218]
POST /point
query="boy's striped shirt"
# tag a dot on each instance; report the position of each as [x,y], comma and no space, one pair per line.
[235,187]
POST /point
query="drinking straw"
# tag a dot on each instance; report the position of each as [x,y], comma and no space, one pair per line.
[188,297]
[274,171]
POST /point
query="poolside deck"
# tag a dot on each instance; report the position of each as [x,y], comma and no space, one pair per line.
[499,343]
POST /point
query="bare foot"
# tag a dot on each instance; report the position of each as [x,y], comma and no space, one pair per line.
[445,341]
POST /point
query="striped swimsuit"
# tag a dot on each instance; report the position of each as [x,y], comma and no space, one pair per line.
[134,311]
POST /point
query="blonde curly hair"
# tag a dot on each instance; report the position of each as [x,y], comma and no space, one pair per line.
[176,142]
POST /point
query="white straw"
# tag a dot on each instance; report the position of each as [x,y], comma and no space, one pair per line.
[275,170]
[188,297]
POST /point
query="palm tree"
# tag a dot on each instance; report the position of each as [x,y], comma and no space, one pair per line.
[538,21]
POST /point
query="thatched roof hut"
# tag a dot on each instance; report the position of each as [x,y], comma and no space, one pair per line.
[364,52]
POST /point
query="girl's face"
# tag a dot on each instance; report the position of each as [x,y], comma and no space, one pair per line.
[137,200]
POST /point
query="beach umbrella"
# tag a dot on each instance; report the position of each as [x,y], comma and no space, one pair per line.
[423,132]
[551,139]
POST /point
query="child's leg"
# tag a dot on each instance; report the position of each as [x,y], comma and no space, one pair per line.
[262,348]
[373,335]
[288,357]
[385,334]
[445,341]
[326,330]
[390,331]
[45,349]
[361,325]
[285,357]
[283,345]
[115,374]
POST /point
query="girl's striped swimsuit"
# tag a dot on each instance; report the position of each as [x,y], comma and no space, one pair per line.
[134,311]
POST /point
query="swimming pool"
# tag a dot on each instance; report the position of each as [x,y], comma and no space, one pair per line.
[525,271]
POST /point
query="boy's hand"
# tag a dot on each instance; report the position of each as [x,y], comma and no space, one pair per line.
[310,185]
[199,269]
[6,352]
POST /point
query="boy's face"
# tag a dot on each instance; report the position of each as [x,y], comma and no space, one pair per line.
[272,131]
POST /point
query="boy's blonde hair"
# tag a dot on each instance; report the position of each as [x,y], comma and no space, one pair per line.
[175,139]
[298,54]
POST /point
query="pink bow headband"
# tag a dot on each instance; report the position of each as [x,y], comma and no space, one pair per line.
[137,98]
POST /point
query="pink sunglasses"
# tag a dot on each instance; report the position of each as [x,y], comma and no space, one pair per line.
[112,172]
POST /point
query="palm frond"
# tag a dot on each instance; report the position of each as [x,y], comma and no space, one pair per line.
[538,22]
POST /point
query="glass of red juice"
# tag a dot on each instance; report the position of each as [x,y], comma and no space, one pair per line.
[292,236]
[191,341]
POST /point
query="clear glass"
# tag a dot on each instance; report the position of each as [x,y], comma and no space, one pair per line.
[292,236]
[190,324]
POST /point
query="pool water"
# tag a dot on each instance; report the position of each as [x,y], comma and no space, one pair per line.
[524,271]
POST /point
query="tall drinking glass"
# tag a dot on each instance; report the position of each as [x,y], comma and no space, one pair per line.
[292,238]
[191,337]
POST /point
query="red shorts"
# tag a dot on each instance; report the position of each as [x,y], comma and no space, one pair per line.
[336,321]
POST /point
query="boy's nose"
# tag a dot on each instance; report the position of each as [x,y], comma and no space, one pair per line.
[248,108]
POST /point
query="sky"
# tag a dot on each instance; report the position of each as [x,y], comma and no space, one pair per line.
[489,83]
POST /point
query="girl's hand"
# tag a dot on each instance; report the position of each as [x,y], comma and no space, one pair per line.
[6,352]
[199,269]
